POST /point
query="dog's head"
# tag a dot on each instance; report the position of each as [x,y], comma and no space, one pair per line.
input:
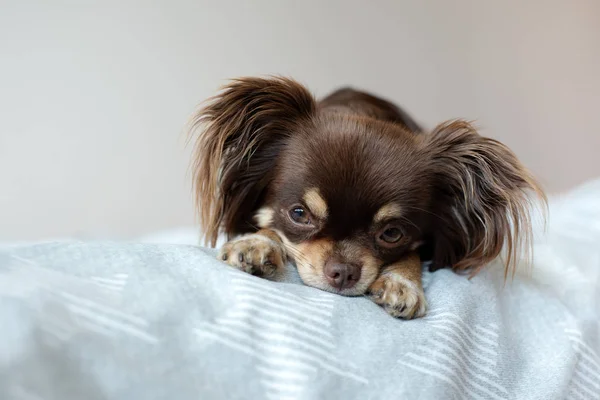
[351,184]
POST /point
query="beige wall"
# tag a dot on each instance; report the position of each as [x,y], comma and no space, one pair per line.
[93,97]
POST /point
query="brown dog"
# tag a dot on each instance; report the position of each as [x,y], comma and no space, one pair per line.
[351,190]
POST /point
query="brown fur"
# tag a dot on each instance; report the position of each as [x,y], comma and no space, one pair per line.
[245,127]
[265,143]
[487,188]
[359,103]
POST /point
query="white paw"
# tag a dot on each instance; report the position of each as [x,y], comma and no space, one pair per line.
[255,254]
[400,297]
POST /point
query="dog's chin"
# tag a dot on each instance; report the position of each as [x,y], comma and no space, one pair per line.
[344,292]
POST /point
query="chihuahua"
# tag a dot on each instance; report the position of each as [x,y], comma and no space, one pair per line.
[353,191]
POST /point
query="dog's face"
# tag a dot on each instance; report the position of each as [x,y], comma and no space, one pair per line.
[349,185]
[347,191]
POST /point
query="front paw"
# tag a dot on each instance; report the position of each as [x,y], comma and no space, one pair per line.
[400,297]
[255,254]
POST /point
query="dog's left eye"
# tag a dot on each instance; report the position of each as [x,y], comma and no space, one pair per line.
[391,235]
[300,216]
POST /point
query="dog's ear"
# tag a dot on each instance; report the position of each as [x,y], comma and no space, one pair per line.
[239,135]
[483,196]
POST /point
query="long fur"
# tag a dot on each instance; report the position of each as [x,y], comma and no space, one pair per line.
[487,193]
[239,133]
[480,194]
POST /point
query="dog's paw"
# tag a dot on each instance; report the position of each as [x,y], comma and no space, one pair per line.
[400,297]
[255,254]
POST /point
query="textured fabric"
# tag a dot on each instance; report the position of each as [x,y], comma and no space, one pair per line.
[142,321]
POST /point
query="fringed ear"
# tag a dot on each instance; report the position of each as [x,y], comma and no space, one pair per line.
[239,134]
[484,197]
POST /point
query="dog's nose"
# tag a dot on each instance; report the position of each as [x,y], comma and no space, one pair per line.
[341,276]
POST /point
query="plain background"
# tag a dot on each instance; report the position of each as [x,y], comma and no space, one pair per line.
[94,95]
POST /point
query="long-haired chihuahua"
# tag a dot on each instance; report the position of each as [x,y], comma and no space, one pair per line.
[353,191]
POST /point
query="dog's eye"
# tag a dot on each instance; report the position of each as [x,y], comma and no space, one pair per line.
[391,235]
[300,216]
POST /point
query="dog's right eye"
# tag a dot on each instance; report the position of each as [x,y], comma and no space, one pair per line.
[300,216]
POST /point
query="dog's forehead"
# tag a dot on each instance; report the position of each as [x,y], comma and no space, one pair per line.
[355,169]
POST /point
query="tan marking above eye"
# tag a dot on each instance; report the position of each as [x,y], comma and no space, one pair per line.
[316,204]
[389,211]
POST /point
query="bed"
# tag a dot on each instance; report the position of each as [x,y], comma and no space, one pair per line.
[161,318]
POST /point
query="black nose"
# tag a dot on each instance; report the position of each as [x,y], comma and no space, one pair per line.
[341,276]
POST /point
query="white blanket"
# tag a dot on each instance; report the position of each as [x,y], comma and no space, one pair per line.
[163,321]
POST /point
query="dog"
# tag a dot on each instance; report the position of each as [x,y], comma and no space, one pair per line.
[353,191]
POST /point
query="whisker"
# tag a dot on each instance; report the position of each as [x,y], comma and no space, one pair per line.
[410,222]
[298,256]
[428,212]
